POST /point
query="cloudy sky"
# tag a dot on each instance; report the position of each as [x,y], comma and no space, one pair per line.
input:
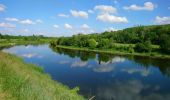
[68,17]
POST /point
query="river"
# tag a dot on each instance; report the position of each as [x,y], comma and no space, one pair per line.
[105,76]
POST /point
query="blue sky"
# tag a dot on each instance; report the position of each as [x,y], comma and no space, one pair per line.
[68,17]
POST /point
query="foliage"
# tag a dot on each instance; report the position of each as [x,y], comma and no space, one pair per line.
[131,49]
[92,43]
[165,43]
[142,36]
[143,47]
[104,43]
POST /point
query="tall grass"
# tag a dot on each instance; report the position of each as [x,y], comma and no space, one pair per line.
[21,81]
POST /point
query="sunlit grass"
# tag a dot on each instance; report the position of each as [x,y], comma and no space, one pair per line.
[21,81]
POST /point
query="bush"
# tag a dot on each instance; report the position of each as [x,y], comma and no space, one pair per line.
[92,43]
[130,49]
[143,47]
[53,43]
[165,43]
[104,43]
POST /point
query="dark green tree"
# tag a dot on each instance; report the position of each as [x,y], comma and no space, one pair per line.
[104,43]
[143,47]
[165,43]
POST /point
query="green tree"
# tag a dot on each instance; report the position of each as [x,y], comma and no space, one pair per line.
[165,43]
[143,47]
[130,49]
[103,43]
[92,43]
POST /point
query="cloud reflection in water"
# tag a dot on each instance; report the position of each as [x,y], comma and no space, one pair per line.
[130,90]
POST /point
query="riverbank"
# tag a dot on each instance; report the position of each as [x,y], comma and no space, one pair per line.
[110,51]
[22,81]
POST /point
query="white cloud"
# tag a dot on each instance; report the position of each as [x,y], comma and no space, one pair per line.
[84,29]
[27,22]
[81,14]
[162,20]
[90,11]
[41,33]
[149,6]
[115,1]
[32,55]
[143,72]
[118,59]
[7,25]
[103,69]
[11,19]
[79,64]
[2,7]
[39,21]
[63,15]
[25,30]
[22,31]
[85,26]
[68,26]
[55,26]
[111,18]
[131,89]
[105,9]
[111,29]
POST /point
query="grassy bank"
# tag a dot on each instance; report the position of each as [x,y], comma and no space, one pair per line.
[112,51]
[21,81]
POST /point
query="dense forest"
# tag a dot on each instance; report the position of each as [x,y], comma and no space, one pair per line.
[139,39]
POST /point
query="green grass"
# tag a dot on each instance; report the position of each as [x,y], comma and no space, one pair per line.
[22,81]
[117,50]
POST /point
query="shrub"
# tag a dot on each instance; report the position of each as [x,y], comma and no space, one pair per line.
[131,49]
[143,47]
[165,43]
[104,43]
[92,43]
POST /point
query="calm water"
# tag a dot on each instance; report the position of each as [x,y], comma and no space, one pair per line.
[107,77]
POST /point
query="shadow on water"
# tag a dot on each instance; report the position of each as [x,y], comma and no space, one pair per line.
[84,56]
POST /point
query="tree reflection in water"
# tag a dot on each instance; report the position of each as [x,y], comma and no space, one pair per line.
[163,65]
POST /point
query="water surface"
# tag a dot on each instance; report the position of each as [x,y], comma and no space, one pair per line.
[105,76]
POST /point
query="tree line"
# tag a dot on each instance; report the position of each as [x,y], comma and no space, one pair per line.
[140,38]
[8,38]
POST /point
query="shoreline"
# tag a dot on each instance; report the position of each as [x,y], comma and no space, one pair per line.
[115,52]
